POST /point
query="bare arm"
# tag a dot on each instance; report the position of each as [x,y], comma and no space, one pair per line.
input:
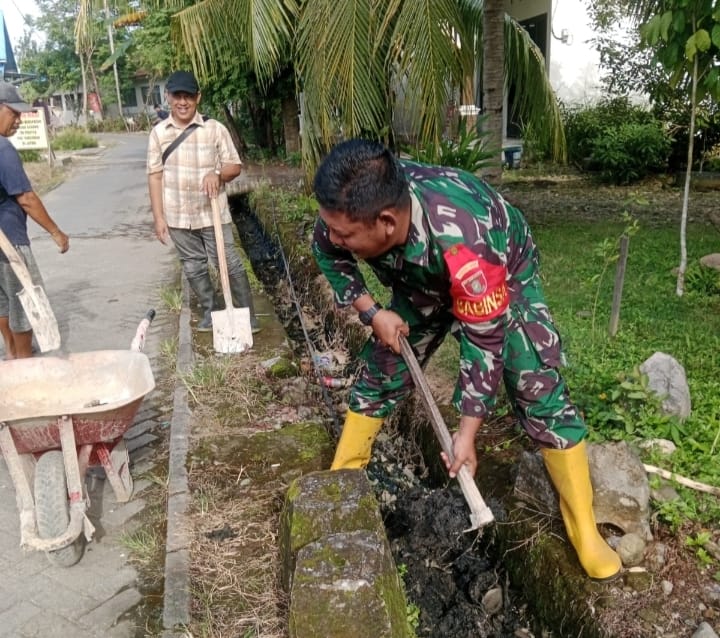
[35,209]
[155,187]
[212,182]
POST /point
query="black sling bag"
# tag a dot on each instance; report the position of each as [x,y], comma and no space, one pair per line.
[177,141]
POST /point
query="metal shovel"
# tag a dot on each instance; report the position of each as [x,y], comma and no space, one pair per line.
[480,513]
[34,300]
[232,332]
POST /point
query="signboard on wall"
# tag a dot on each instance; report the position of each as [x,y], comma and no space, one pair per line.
[32,133]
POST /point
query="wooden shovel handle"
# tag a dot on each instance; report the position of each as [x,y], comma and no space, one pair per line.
[480,513]
[16,262]
[220,247]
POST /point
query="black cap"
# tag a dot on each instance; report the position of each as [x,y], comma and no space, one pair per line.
[182,82]
[10,95]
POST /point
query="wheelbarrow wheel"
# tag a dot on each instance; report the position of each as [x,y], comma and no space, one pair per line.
[52,507]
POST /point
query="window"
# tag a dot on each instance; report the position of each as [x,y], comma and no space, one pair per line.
[154,98]
[129,97]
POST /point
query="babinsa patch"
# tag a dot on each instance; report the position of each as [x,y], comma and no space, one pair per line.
[478,288]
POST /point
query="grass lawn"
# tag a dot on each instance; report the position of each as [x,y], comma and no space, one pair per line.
[653,318]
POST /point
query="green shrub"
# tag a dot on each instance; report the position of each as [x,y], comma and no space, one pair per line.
[469,152]
[584,125]
[72,139]
[630,152]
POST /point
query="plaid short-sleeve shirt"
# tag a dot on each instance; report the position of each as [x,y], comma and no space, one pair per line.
[208,147]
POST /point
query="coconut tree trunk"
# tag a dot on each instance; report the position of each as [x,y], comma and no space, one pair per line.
[493,81]
[83,72]
[115,71]
[291,125]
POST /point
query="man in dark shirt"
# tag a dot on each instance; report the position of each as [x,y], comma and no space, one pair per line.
[161,113]
[17,202]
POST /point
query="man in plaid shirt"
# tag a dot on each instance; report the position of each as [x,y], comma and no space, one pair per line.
[182,183]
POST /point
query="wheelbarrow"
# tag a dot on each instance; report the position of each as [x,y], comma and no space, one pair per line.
[60,416]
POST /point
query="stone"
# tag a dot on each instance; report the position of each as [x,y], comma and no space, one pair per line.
[621,489]
[666,493]
[631,549]
[533,484]
[711,261]
[666,378]
[658,445]
[704,630]
[321,504]
[492,601]
[656,556]
[347,585]
[621,494]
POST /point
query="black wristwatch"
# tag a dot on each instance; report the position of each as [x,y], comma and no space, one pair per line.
[366,316]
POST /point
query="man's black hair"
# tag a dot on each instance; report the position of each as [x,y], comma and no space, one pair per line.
[360,178]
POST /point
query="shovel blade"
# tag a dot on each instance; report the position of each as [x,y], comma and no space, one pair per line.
[232,332]
[41,317]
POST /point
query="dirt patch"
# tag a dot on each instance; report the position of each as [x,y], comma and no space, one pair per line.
[451,574]
[44,177]
[548,200]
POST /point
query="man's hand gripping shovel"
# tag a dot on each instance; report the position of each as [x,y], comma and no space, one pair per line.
[480,514]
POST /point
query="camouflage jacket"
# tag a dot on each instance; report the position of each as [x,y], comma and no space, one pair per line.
[468,252]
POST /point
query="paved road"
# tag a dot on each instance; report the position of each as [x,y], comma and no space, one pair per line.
[99,290]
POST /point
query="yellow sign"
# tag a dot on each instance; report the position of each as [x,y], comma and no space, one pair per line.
[32,133]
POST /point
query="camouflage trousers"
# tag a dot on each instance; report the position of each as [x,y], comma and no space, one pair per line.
[537,391]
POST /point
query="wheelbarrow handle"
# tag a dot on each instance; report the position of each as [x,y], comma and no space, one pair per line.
[138,342]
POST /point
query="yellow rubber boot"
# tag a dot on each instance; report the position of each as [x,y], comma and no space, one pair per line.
[355,444]
[570,474]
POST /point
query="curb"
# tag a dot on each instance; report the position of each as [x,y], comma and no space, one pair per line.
[176,597]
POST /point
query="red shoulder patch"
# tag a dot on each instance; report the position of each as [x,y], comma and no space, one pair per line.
[478,288]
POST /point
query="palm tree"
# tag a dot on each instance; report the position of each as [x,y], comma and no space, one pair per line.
[359,62]
[84,42]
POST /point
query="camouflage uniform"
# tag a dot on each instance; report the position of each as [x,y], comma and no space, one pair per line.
[469,267]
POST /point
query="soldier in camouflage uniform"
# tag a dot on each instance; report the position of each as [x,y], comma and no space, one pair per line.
[459,260]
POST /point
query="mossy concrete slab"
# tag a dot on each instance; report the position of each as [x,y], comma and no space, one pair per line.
[347,585]
[321,504]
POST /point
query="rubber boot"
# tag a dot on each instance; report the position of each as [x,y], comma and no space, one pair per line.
[355,444]
[570,473]
[242,297]
[205,292]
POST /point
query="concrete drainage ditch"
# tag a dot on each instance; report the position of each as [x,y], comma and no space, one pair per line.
[347,540]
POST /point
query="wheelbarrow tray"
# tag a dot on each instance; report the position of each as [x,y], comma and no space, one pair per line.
[101,390]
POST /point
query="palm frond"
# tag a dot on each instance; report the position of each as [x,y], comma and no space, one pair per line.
[427,58]
[83,25]
[216,30]
[342,78]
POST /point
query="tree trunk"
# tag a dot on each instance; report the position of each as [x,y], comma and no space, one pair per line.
[235,134]
[680,286]
[291,125]
[115,71]
[493,82]
[83,72]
